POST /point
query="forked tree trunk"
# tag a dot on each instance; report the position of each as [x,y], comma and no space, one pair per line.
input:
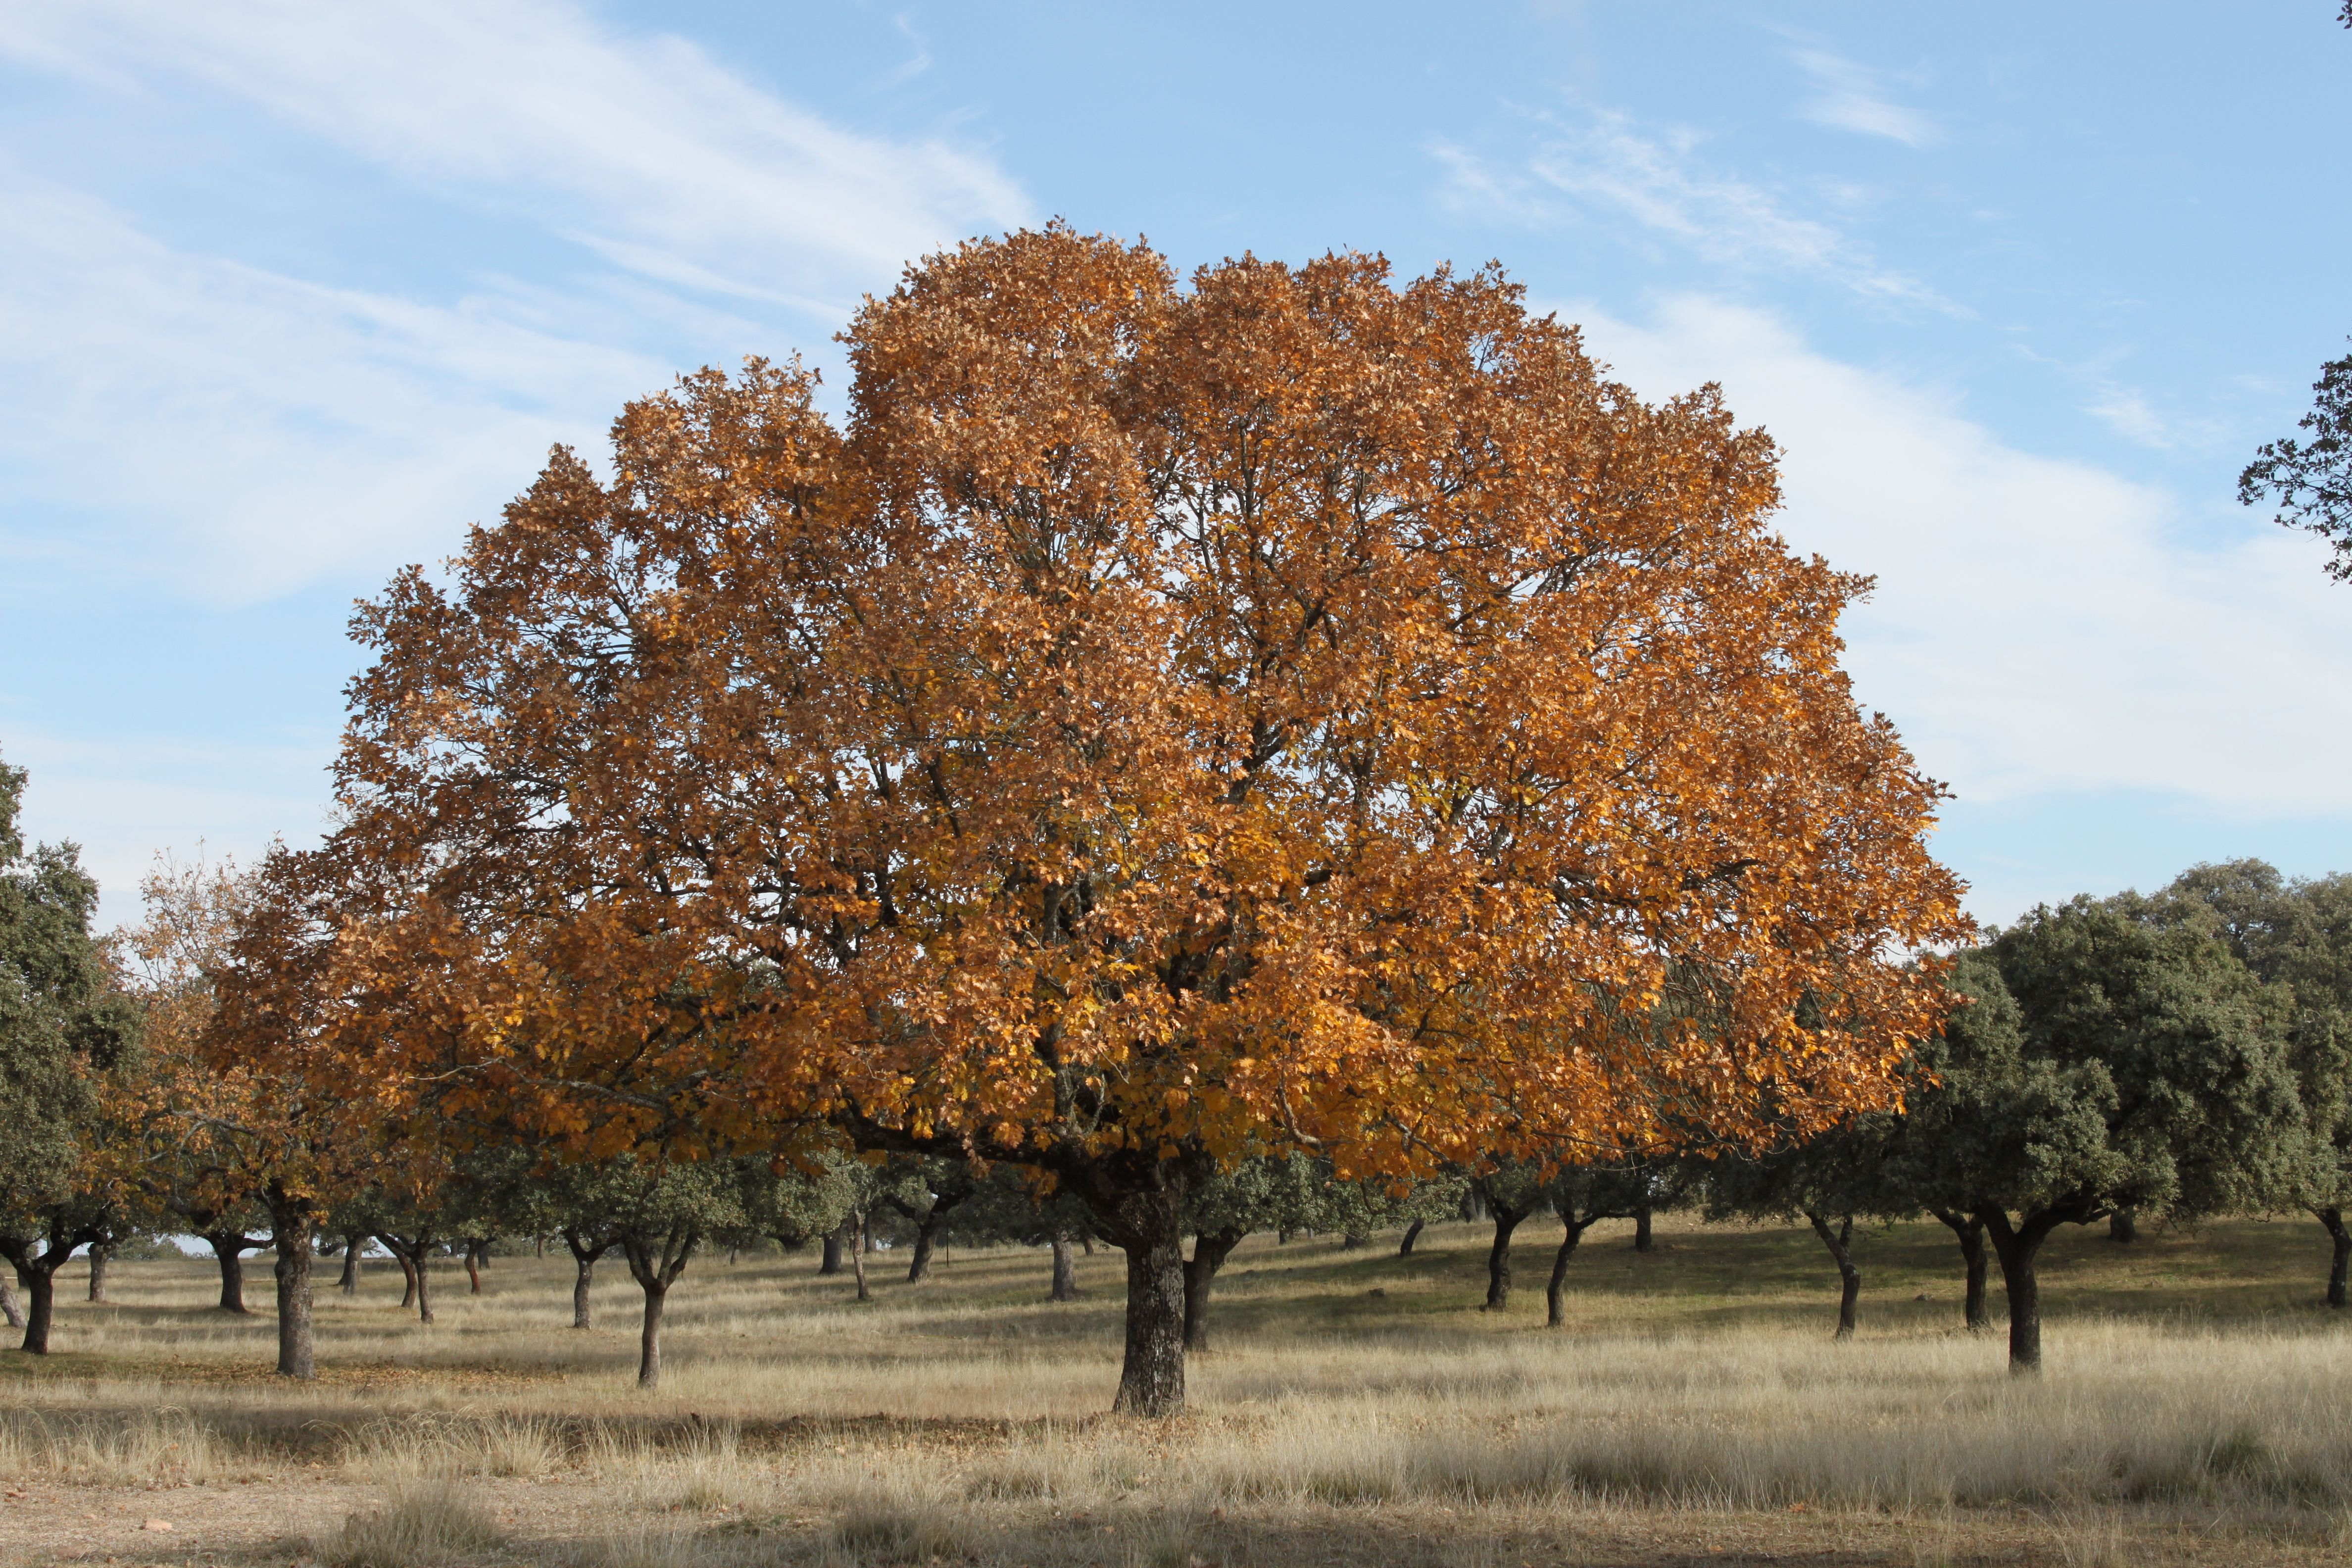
[416,1255]
[1066,1270]
[229,1246]
[2017,1248]
[1149,1225]
[100,1255]
[656,1262]
[858,1256]
[584,1255]
[38,1272]
[1841,1245]
[289,1217]
[2341,1235]
[1210,1250]
[1411,1234]
[1643,1240]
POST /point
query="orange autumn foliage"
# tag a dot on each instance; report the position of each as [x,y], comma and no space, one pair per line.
[1161,724]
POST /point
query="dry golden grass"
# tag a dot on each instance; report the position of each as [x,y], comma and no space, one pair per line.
[2193,1410]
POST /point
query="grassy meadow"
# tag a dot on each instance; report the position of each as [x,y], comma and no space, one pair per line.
[1356,1409]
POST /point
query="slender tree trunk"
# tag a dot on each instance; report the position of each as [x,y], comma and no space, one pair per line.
[1411,1234]
[9,1311]
[1499,1256]
[407,1276]
[858,1256]
[1210,1250]
[1555,1290]
[2017,1248]
[2123,1226]
[831,1262]
[99,1257]
[1841,1245]
[473,1270]
[350,1283]
[1643,1240]
[1969,1230]
[1087,1242]
[289,1217]
[583,1259]
[2337,1232]
[1151,1228]
[424,1285]
[1349,1240]
[650,1335]
[1065,1270]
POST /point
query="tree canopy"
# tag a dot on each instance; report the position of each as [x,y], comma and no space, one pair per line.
[1165,725]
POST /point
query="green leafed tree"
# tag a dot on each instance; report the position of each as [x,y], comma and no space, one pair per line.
[2310,480]
[2102,1059]
[65,1026]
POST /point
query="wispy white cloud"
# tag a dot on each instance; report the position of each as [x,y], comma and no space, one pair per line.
[646,142]
[913,65]
[1850,95]
[2038,625]
[1601,167]
[241,432]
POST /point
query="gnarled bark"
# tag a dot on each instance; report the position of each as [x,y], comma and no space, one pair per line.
[2341,1264]
[229,1248]
[656,1262]
[1970,1231]
[1150,1226]
[1411,1234]
[2017,1247]
[1498,1254]
[585,1251]
[290,1219]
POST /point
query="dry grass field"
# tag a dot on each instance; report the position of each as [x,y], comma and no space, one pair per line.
[1358,1410]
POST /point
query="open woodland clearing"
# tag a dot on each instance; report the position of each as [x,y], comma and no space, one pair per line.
[1694,1410]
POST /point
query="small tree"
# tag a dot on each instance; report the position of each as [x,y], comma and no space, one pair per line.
[1584,1196]
[2311,479]
[1831,1179]
[2102,1059]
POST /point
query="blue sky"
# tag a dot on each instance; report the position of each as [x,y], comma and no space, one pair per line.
[291,294]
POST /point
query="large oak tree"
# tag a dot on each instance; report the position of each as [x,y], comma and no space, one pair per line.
[1163,725]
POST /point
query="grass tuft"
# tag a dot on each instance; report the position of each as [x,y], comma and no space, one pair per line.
[427,1524]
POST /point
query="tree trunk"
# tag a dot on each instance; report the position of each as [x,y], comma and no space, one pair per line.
[1411,1234]
[1065,1270]
[297,1347]
[1555,1290]
[229,1246]
[478,1258]
[1840,1243]
[1151,1228]
[99,1257]
[2122,1227]
[1349,1240]
[1087,1242]
[583,1258]
[2337,1232]
[926,1230]
[1210,1250]
[1643,1240]
[831,1263]
[350,1283]
[40,1306]
[649,1334]
[858,1256]
[9,1309]
[655,1263]
[2017,1248]
[1970,1231]
[407,1276]
[1499,1256]
[424,1285]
